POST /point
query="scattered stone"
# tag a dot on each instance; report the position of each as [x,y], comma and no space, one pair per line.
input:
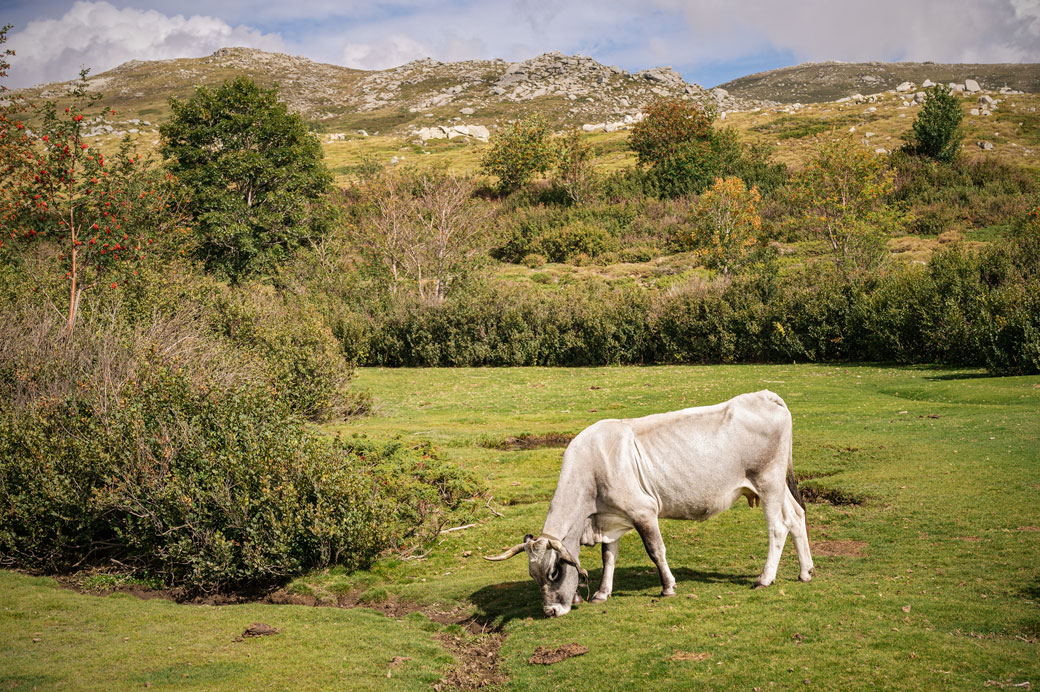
[467,111]
[973,111]
[970,85]
[904,87]
[985,146]
[927,83]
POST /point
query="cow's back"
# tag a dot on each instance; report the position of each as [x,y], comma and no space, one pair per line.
[692,463]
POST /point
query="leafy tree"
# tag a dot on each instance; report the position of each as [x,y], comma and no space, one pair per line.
[574,172]
[725,224]
[936,130]
[678,143]
[104,213]
[842,193]
[258,184]
[523,149]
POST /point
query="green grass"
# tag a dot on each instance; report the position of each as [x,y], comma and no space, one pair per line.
[941,466]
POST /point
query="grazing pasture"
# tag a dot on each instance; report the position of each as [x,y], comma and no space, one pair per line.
[923,517]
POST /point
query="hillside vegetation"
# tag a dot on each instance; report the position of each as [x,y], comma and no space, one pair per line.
[816,82]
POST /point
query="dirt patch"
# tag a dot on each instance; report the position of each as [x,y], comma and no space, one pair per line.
[476,662]
[690,656]
[840,548]
[1028,528]
[261,629]
[527,441]
[813,492]
[544,655]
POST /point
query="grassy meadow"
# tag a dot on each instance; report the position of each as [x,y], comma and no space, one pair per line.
[923,520]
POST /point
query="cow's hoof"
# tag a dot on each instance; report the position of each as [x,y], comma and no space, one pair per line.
[805,577]
[599,597]
[759,585]
[667,592]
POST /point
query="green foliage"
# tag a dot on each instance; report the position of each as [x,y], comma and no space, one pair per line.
[210,489]
[518,152]
[843,195]
[935,131]
[300,355]
[963,194]
[258,185]
[964,308]
[677,142]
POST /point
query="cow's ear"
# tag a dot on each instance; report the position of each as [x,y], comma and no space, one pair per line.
[528,537]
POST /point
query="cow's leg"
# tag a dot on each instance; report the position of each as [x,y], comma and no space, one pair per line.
[650,532]
[773,507]
[606,585]
[794,518]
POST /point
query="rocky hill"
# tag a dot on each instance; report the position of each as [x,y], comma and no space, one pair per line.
[425,97]
[816,82]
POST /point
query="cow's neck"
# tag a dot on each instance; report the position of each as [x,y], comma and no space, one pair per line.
[568,512]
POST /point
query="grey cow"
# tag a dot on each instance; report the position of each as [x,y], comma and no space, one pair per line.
[619,475]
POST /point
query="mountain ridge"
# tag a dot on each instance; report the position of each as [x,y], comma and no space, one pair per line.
[818,82]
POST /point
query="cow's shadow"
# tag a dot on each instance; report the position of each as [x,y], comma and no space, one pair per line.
[499,604]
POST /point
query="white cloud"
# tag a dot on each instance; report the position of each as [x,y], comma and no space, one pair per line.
[692,35]
[101,36]
[938,30]
[389,52]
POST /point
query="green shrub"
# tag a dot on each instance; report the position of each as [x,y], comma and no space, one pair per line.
[579,237]
[935,131]
[520,151]
[303,359]
[210,489]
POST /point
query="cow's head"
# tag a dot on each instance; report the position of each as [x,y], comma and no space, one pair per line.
[553,568]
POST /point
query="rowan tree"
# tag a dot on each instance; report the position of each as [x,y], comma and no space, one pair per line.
[258,185]
[102,213]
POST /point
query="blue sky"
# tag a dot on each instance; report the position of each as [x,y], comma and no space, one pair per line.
[708,41]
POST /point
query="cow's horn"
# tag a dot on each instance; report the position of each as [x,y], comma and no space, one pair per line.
[509,553]
[566,556]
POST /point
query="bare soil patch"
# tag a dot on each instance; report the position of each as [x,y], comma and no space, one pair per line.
[812,492]
[545,655]
[840,548]
[476,662]
[260,629]
[690,656]
[524,442]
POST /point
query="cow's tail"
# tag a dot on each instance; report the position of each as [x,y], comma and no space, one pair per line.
[792,482]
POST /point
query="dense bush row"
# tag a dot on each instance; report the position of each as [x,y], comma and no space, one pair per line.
[963,308]
[206,488]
